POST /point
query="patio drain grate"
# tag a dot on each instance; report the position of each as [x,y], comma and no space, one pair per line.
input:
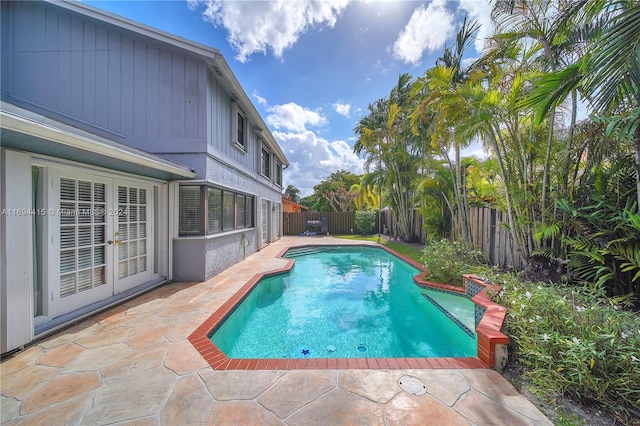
[412,385]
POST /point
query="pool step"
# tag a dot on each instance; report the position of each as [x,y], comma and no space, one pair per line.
[307,250]
[451,316]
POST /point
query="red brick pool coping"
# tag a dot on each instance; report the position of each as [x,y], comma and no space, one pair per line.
[488,332]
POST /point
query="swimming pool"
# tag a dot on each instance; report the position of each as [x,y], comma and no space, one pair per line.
[346,302]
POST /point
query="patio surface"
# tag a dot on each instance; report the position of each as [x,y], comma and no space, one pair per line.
[133,364]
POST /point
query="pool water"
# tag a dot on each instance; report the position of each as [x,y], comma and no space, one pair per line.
[343,302]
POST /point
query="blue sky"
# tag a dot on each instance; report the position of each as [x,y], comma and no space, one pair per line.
[312,67]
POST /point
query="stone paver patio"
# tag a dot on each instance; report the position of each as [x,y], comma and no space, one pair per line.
[133,364]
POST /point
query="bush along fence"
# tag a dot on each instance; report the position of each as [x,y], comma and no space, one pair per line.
[488,230]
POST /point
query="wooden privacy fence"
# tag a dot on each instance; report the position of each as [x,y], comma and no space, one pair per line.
[490,234]
[487,229]
[339,223]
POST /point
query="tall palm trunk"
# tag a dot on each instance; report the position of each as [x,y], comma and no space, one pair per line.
[520,246]
[463,213]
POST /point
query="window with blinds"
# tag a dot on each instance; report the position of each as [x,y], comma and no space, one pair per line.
[241,211]
[220,210]
[82,235]
[214,210]
[190,211]
[228,211]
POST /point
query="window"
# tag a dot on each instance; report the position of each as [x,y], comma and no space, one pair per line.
[278,173]
[265,162]
[190,211]
[214,210]
[239,127]
[244,211]
[241,139]
[228,210]
[240,211]
[207,210]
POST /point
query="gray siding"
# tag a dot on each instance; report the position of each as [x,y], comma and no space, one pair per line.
[102,79]
[220,131]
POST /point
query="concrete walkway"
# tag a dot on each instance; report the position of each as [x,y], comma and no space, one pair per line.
[134,365]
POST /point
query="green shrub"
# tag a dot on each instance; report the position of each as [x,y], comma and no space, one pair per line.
[446,261]
[366,221]
[574,342]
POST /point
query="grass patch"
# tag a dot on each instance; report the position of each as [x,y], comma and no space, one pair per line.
[412,251]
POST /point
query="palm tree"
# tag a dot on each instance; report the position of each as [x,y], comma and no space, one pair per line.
[608,74]
[394,152]
[293,193]
[544,25]
[438,104]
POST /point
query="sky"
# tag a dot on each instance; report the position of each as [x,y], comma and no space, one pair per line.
[312,67]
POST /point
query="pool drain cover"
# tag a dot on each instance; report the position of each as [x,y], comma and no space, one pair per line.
[413,385]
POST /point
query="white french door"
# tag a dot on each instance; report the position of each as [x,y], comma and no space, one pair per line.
[100,240]
[132,236]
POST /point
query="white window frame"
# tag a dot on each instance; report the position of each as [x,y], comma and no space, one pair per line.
[235,113]
[278,174]
[264,148]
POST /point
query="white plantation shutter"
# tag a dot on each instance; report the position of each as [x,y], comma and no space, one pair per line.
[132,231]
[82,235]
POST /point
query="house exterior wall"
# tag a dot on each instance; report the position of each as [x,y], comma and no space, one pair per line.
[16,259]
[102,79]
[67,69]
[146,93]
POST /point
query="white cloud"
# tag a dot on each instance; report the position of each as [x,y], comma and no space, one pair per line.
[292,117]
[257,26]
[262,101]
[428,29]
[312,159]
[342,109]
[479,10]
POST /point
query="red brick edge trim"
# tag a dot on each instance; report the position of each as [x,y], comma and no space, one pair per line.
[219,361]
[489,330]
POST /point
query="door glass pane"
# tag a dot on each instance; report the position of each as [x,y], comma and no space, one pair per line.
[122,251]
[98,276]
[67,189]
[67,237]
[99,192]
[98,256]
[85,259]
[82,235]
[85,280]
[98,234]
[84,191]
[67,261]
[67,285]
[122,269]
[67,213]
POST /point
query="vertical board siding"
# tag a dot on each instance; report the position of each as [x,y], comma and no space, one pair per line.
[221,128]
[101,79]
